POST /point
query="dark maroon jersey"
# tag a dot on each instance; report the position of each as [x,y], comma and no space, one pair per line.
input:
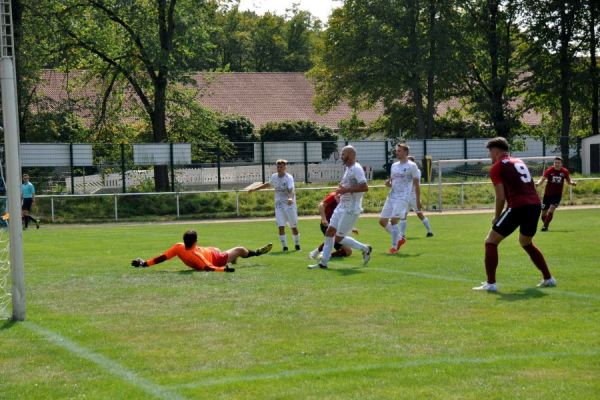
[556,181]
[330,203]
[518,183]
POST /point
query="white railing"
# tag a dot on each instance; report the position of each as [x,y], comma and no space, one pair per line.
[194,177]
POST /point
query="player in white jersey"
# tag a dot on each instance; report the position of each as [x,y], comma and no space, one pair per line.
[403,180]
[351,190]
[286,211]
[416,207]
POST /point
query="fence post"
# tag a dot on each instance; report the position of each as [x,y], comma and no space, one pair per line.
[172,162]
[262,158]
[544,146]
[177,203]
[116,208]
[123,172]
[237,203]
[387,157]
[52,207]
[218,166]
[305,162]
[424,147]
[71,167]
[465,149]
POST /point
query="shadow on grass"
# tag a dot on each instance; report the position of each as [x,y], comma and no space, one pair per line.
[7,324]
[522,294]
[346,271]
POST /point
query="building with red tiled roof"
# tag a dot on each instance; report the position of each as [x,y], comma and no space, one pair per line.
[259,96]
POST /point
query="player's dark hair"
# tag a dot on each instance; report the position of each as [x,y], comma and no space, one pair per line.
[498,143]
[558,158]
[190,238]
[411,158]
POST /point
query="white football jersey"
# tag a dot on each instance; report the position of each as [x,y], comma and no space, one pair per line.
[284,186]
[402,175]
[353,176]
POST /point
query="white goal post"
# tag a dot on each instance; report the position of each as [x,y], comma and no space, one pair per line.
[13,168]
[475,171]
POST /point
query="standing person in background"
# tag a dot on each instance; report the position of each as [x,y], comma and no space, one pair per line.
[351,190]
[326,208]
[28,198]
[286,211]
[556,176]
[416,207]
[513,186]
[403,180]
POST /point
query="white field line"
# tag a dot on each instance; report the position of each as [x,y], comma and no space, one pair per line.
[103,362]
[392,365]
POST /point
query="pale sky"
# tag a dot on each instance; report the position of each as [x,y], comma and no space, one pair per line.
[319,8]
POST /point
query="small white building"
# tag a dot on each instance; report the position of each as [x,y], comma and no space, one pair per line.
[590,155]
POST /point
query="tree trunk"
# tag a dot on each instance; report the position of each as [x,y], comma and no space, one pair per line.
[497,88]
[565,82]
[431,70]
[593,65]
[159,130]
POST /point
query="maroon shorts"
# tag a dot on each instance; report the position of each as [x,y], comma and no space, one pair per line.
[220,257]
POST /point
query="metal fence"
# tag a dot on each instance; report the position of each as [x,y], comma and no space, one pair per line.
[70,168]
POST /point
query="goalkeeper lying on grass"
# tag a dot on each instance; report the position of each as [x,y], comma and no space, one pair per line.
[202,258]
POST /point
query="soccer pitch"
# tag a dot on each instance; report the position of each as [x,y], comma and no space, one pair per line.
[406,326]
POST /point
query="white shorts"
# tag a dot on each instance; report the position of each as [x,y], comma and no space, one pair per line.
[394,208]
[343,221]
[286,215]
[412,204]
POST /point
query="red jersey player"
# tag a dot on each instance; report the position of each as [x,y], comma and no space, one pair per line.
[514,186]
[326,208]
[556,177]
[202,258]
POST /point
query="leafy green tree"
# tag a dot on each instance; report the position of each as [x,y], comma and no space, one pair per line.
[493,51]
[554,29]
[144,45]
[391,52]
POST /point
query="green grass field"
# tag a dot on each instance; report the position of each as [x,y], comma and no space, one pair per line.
[404,327]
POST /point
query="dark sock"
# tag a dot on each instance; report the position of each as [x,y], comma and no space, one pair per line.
[548,219]
[321,246]
[491,261]
[251,253]
[538,260]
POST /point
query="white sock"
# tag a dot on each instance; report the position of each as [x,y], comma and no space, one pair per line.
[427,225]
[388,228]
[355,244]
[327,247]
[395,235]
[283,240]
[296,239]
[402,227]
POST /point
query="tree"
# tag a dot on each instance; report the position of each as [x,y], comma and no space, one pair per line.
[553,28]
[492,49]
[145,45]
[390,52]
[593,8]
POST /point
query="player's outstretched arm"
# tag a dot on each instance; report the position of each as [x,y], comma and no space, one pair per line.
[260,187]
[138,262]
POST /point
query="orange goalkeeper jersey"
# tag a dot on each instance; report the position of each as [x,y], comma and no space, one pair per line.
[196,257]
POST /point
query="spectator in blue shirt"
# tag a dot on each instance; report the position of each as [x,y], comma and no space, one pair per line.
[28,196]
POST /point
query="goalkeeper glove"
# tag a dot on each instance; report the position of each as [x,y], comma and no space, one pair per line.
[228,268]
[138,262]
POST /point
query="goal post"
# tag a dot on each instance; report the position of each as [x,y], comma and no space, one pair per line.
[13,169]
[473,172]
